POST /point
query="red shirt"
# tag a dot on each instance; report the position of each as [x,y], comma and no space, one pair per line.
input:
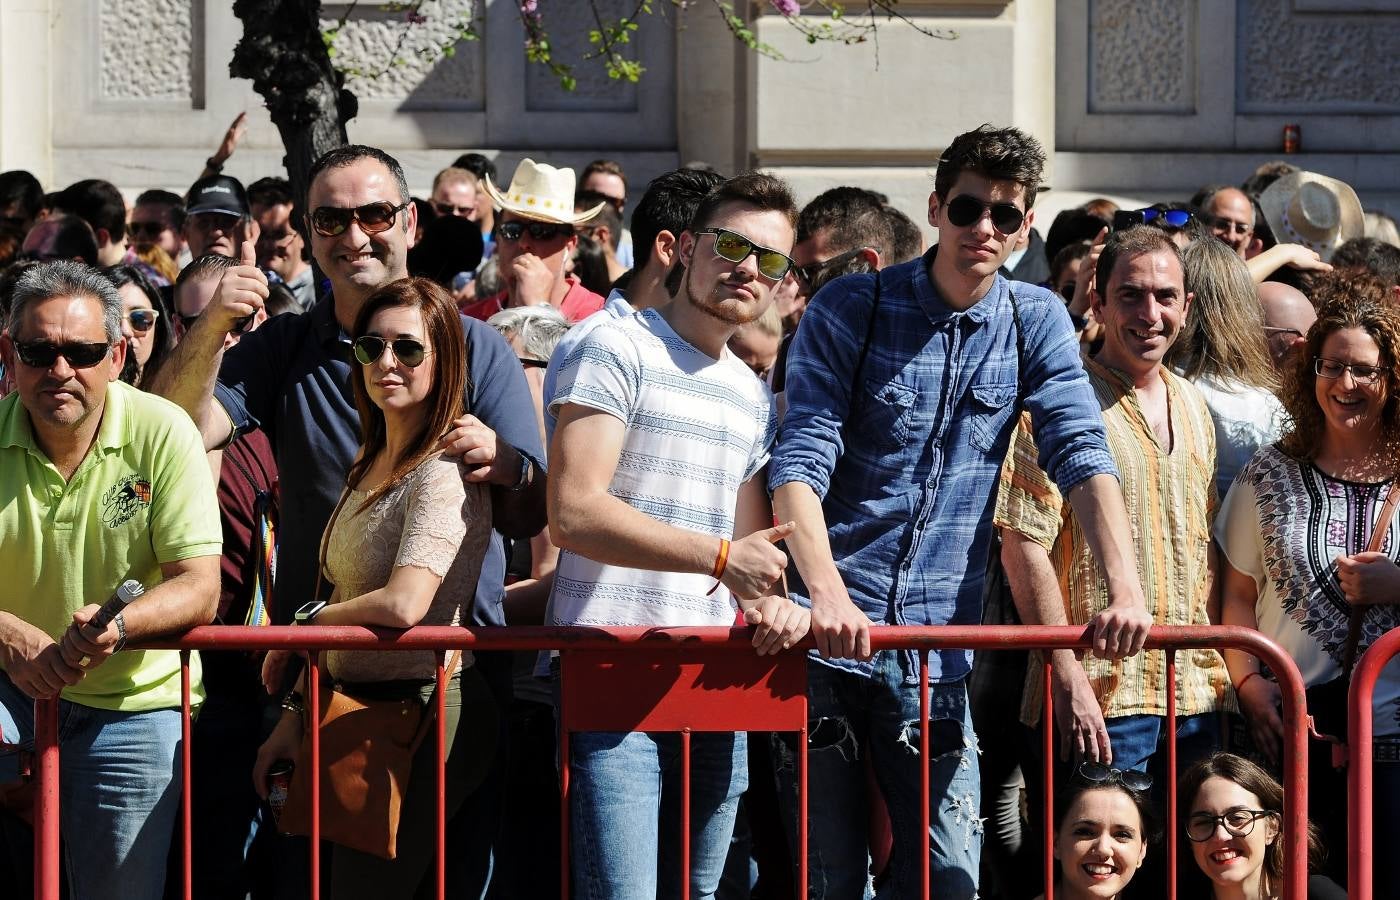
[578,304]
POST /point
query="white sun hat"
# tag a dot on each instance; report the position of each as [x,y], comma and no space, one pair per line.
[541,192]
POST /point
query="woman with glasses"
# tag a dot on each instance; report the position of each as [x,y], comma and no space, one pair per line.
[145,324]
[1232,812]
[1103,826]
[403,548]
[1295,530]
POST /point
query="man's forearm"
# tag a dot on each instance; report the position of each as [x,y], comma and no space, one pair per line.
[187,379]
[605,529]
[176,604]
[1035,589]
[1098,506]
[809,544]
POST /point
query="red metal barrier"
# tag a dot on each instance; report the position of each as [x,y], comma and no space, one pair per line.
[1360,764]
[710,680]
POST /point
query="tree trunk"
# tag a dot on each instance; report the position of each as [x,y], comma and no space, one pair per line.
[283,54]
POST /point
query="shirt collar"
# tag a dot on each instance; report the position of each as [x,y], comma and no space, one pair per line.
[926,293]
[114,431]
[617,303]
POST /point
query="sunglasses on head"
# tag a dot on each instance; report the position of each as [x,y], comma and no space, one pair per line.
[43,354]
[539,231]
[143,319]
[1124,219]
[329,221]
[734,247]
[369,349]
[1098,773]
[965,210]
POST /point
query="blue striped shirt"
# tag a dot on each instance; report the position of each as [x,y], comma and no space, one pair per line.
[907,470]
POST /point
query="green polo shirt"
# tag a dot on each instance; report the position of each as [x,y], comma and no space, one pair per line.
[143,496]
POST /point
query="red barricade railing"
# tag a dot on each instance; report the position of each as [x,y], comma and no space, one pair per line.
[1360,795]
[709,679]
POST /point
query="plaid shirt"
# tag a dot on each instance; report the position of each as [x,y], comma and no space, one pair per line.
[907,469]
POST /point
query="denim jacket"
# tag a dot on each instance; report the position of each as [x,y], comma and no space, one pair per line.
[905,445]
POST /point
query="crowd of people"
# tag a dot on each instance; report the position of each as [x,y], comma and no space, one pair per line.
[335,410]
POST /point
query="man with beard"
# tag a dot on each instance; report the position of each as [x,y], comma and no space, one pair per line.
[658,455]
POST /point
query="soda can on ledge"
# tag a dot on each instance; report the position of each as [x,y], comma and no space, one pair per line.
[1292,136]
[279,780]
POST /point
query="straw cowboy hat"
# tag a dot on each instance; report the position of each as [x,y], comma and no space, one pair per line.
[541,192]
[1313,210]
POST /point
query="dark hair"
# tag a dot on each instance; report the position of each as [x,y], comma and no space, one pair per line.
[9,277]
[907,241]
[1067,255]
[478,164]
[163,341]
[442,330]
[1128,243]
[1374,255]
[1349,298]
[271,191]
[669,204]
[170,200]
[450,244]
[210,266]
[341,157]
[98,203]
[1242,772]
[608,216]
[757,189]
[1070,227]
[280,299]
[72,238]
[1265,175]
[606,167]
[19,186]
[11,241]
[1000,154]
[851,217]
[591,265]
[1077,787]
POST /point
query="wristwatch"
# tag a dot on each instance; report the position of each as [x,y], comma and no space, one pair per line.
[527,474]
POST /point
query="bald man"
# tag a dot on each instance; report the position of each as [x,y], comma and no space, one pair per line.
[1288,314]
[1230,215]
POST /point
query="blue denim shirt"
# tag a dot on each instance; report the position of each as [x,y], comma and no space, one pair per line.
[907,468]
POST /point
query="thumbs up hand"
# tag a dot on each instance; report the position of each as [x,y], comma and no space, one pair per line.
[241,293]
[754,564]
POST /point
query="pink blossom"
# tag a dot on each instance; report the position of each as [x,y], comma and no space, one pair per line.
[787,7]
[529,7]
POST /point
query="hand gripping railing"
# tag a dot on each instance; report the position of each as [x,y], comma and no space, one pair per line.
[1360,795]
[705,679]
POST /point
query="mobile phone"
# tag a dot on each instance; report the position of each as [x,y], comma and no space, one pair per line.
[308,612]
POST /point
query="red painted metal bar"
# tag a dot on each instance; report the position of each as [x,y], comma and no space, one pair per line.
[47,880]
[685,814]
[1360,771]
[1047,717]
[925,776]
[186,768]
[440,731]
[313,701]
[1172,773]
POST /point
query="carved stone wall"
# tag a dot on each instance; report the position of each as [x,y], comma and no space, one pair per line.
[397,60]
[1316,62]
[1142,55]
[146,50]
[569,26]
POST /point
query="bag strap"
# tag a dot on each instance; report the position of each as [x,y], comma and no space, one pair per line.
[1358,613]
[865,345]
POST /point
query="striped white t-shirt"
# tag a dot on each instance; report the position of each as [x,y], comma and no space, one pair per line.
[697,428]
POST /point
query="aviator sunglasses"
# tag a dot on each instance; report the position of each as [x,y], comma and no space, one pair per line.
[330,221]
[369,349]
[43,354]
[965,210]
[1098,773]
[735,248]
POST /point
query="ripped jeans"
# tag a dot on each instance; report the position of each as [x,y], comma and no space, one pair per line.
[850,715]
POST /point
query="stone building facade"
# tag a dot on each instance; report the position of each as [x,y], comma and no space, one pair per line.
[1145,98]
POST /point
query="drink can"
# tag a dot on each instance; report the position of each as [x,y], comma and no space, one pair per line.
[279,780]
[1292,137]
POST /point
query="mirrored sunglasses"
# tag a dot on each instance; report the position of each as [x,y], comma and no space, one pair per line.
[965,209]
[369,349]
[735,248]
[143,319]
[329,221]
[43,354]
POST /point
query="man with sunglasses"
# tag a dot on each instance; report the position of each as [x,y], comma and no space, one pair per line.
[903,389]
[156,221]
[281,250]
[217,217]
[106,483]
[291,377]
[659,454]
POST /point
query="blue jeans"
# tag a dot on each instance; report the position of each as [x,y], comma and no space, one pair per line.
[119,791]
[625,820]
[1136,741]
[849,715]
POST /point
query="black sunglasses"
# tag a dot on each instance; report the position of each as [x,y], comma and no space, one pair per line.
[735,248]
[539,231]
[369,348]
[448,209]
[43,354]
[812,272]
[329,221]
[965,210]
[145,229]
[1098,773]
[143,319]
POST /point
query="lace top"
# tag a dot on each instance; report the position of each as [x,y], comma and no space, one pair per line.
[432,520]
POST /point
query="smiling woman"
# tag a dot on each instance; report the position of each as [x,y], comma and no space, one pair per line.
[1102,832]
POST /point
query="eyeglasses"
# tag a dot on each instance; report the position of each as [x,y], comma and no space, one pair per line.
[1276,331]
[143,319]
[369,349]
[214,221]
[1330,368]
[145,229]
[1220,223]
[965,210]
[735,248]
[448,209]
[1238,822]
[539,231]
[1098,773]
[330,221]
[43,354]
[812,272]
